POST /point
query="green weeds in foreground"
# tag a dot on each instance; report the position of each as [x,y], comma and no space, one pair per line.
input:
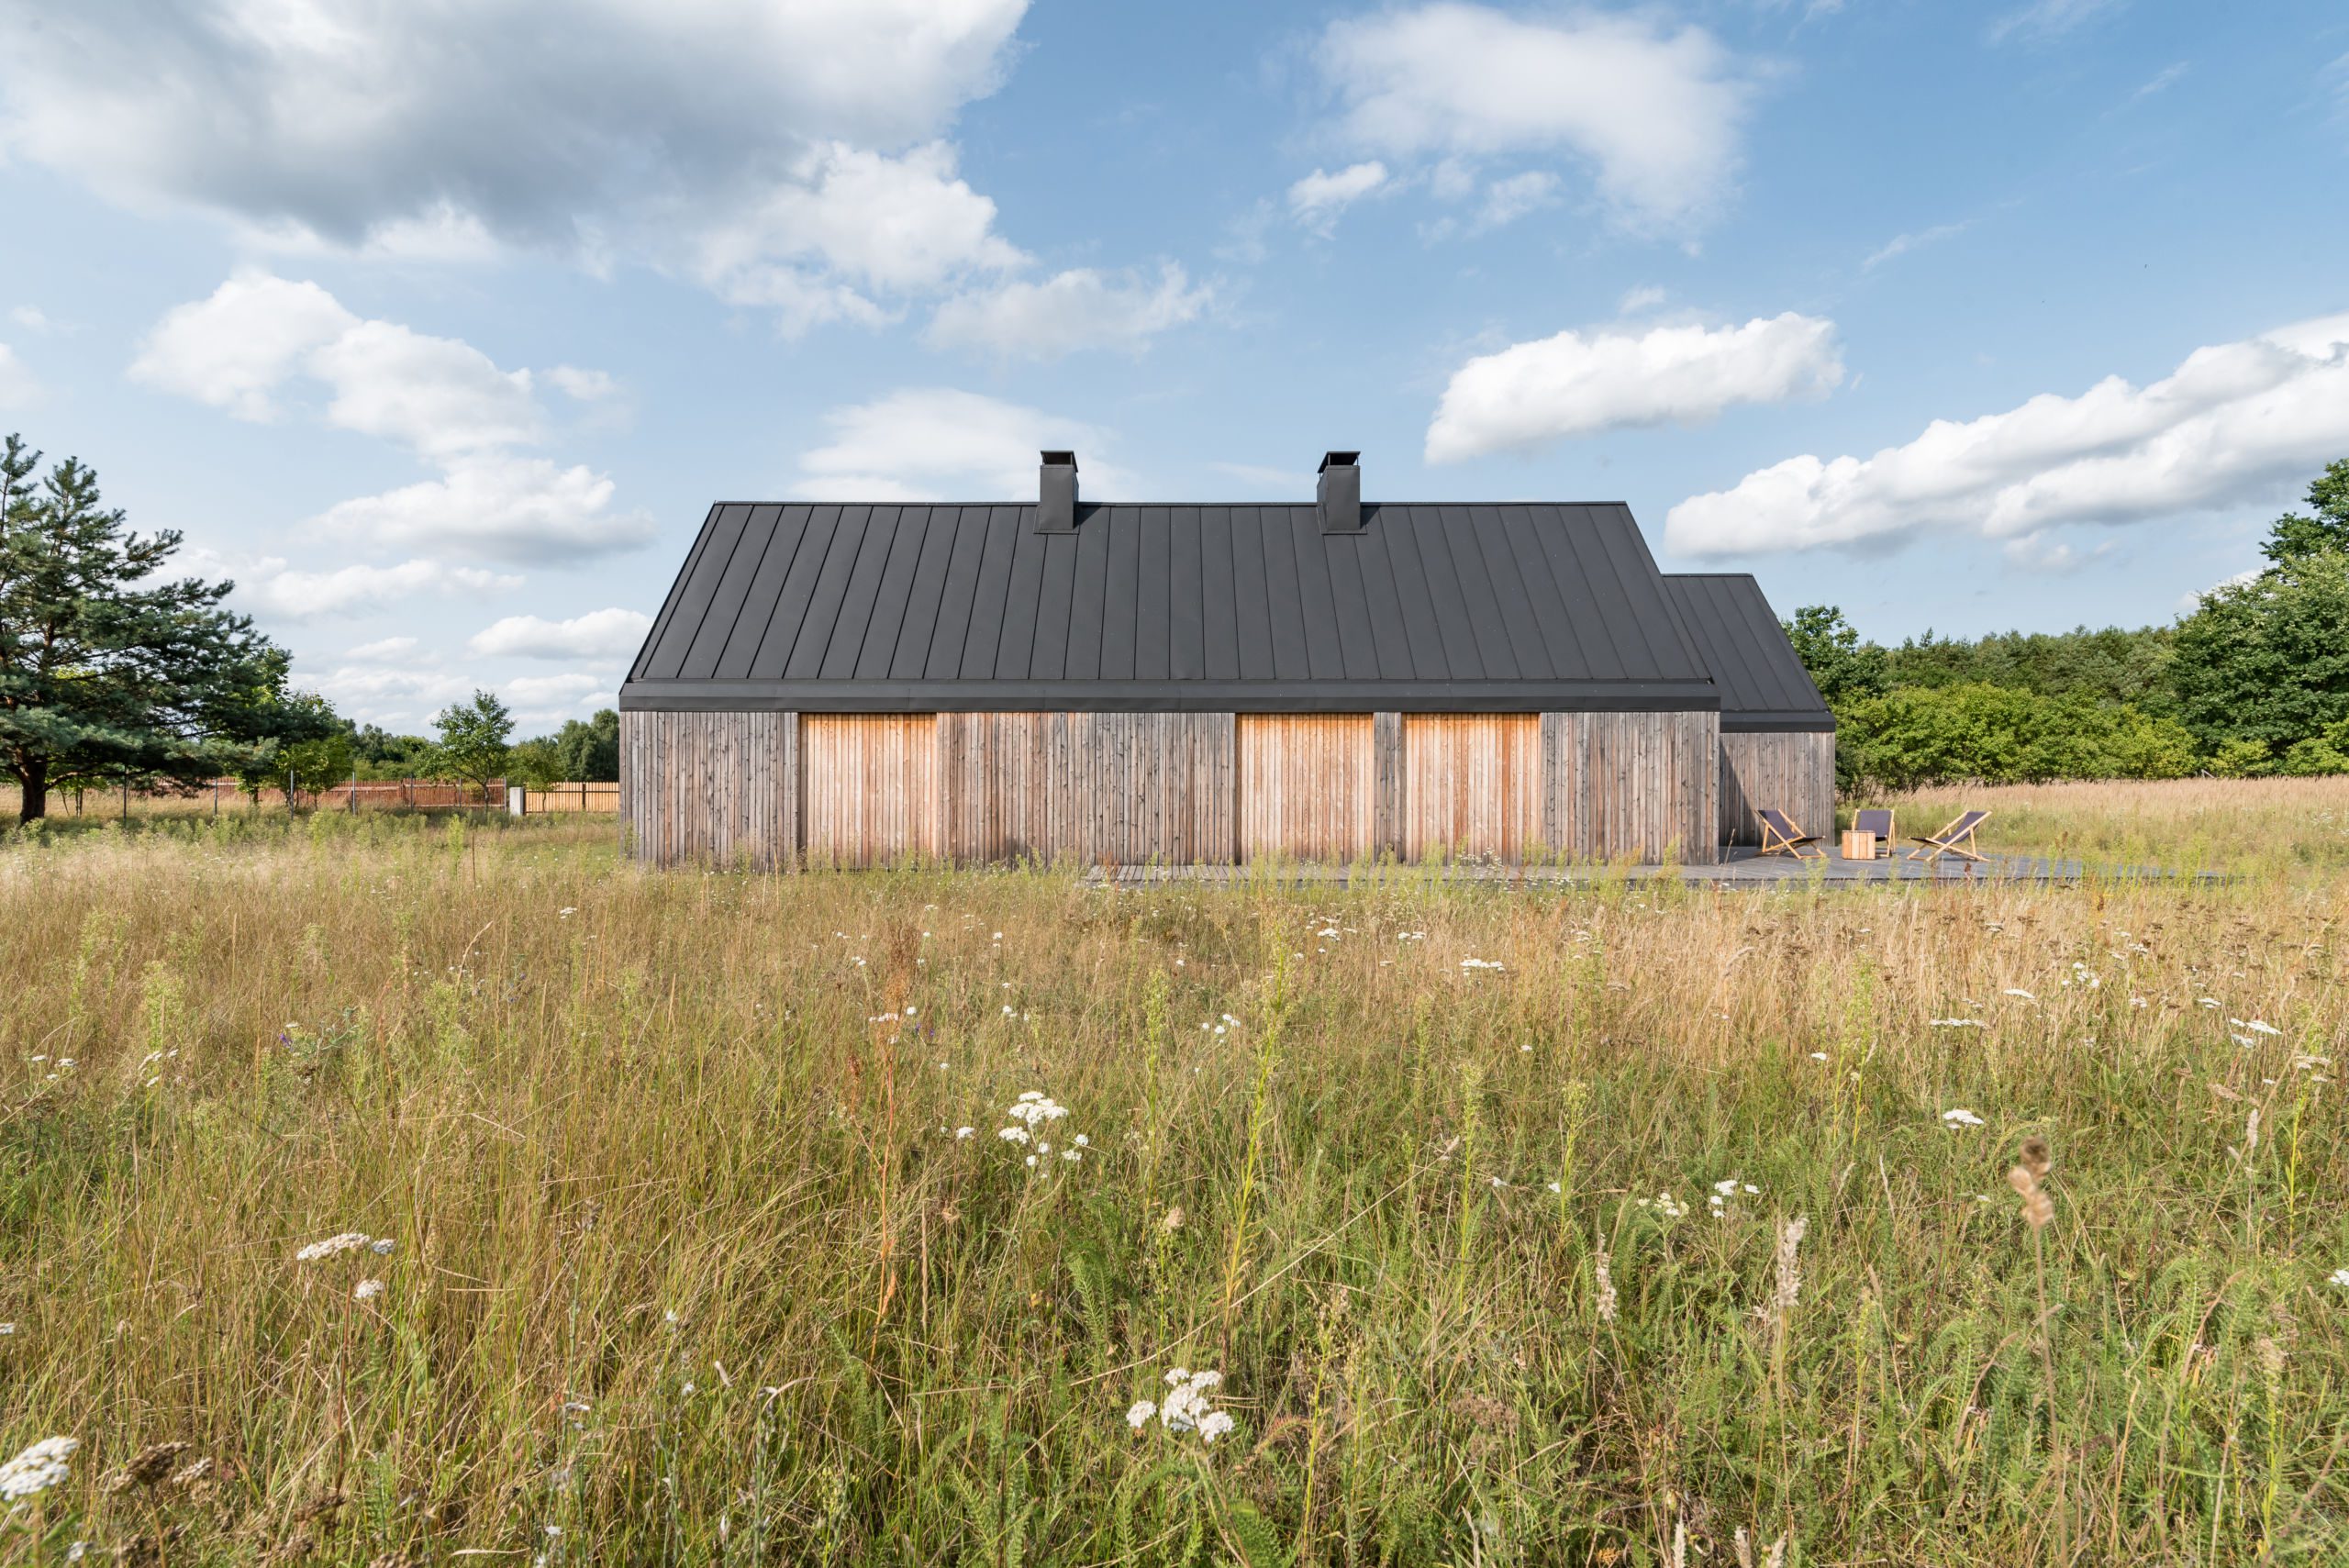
[689,1263]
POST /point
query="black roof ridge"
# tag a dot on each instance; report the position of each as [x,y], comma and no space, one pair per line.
[1308,502]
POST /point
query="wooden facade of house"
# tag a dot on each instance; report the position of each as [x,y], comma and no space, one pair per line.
[1777,738]
[854,685]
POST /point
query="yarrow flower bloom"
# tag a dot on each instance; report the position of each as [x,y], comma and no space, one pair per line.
[1958,1024]
[1187,1407]
[1960,1117]
[367,1290]
[2341,1278]
[349,1242]
[38,1468]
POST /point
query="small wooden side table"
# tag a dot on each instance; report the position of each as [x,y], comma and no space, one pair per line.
[1858,846]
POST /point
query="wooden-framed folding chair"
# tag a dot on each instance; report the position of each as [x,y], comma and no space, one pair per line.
[1781,836]
[1877,819]
[1952,839]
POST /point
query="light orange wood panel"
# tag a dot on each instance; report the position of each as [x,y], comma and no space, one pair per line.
[1308,787]
[870,785]
[1472,785]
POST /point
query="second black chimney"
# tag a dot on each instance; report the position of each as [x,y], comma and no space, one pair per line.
[1339,494]
[1056,494]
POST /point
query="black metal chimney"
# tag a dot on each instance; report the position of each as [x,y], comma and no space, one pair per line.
[1056,494]
[1339,494]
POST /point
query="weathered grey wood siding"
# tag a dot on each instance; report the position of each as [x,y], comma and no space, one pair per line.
[1642,784]
[1128,788]
[715,787]
[1792,769]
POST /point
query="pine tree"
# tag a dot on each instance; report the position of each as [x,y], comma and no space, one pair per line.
[108,670]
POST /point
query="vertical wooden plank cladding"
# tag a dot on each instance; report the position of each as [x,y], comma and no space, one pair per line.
[709,786]
[1392,784]
[1474,785]
[872,786]
[1630,784]
[1307,785]
[1792,769]
[1126,787]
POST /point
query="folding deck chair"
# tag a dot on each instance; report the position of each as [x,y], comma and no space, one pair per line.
[1781,836]
[1952,839]
[1877,819]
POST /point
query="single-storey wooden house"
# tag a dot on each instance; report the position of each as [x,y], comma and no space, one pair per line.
[848,684]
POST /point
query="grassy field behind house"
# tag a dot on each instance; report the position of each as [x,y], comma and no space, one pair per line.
[690,1259]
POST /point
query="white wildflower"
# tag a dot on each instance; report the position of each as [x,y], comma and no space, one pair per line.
[963,1132]
[1213,1425]
[1137,1415]
[349,1242]
[367,1290]
[1013,1135]
[2341,1278]
[38,1468]
[1958,1116]
[1606,1280]
[2019,991]
[1958,1024]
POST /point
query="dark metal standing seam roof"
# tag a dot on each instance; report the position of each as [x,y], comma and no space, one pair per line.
[1763,683]
[1247,608]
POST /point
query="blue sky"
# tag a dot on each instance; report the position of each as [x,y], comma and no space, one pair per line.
[438,325]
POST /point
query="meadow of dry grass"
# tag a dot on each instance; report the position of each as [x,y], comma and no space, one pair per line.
[689,1261]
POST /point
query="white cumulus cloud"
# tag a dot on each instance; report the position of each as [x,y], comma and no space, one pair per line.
[1316,200]
[609,633]
[525,509]
[940,444]
[566,123]
[275,589]
[1655,113]
[2234,423]
[1079,309]
[1579,384]
[258,341]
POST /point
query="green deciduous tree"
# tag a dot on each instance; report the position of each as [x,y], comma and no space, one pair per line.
[1845,669]
[473,744]
[108,669]
[535,764]
[2296,536]
[589,749]
[1913,736]
[2267,660]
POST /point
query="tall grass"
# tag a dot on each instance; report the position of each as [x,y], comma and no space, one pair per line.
[688,1262]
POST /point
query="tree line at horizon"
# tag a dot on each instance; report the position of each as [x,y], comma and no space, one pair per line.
[2252,681]
[116,674]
